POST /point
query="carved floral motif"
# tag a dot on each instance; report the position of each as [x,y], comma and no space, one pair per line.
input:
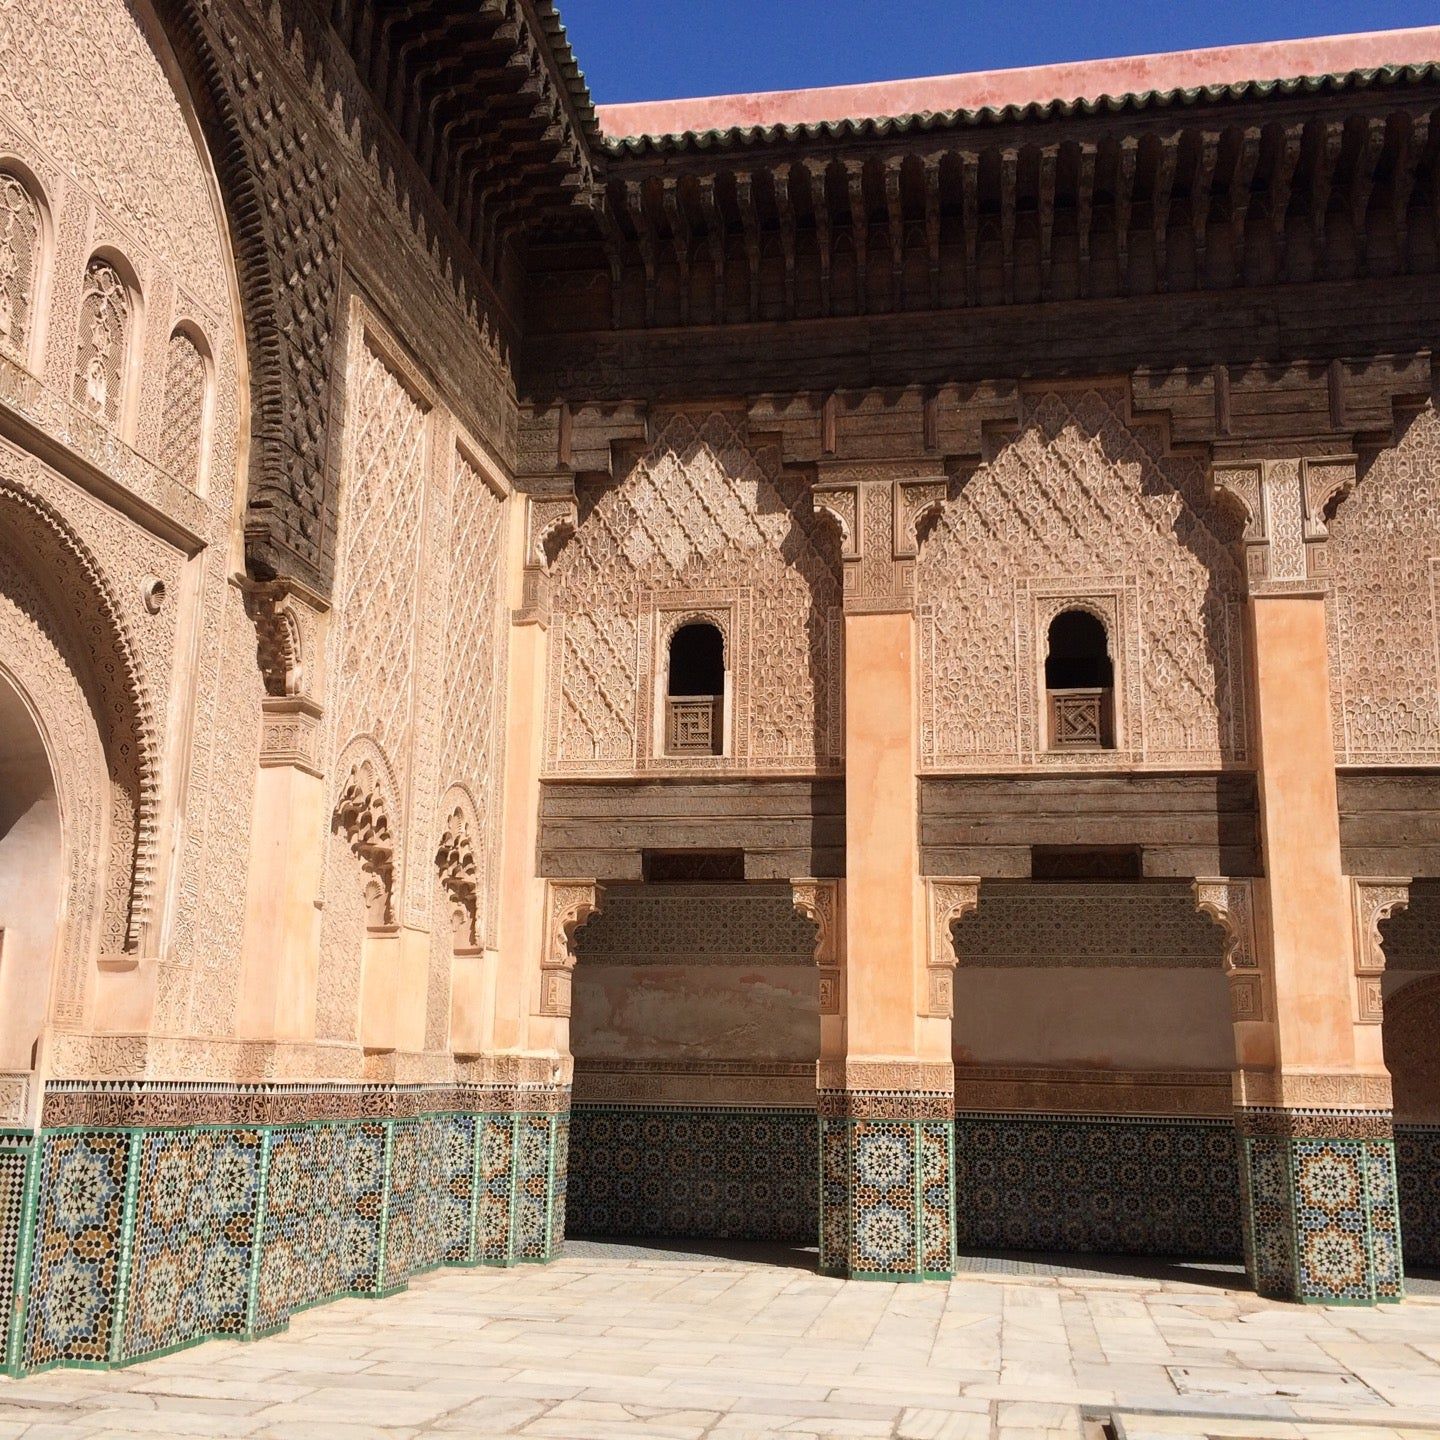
[19,264]
[102,354]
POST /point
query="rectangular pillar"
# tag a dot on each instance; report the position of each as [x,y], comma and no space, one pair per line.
[1312,1094]
[885,1081]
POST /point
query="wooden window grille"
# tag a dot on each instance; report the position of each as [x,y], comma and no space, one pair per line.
[694,724]
[1080,719]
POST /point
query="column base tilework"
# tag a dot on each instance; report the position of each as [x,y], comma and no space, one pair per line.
[1099,1185]
[1417,1165]
[700,1172]
[887,1185]
[119,1244]
[1321,1218]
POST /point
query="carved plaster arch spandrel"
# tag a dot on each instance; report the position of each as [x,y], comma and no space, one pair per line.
[1230,903]
[360,883]
[947,901]
[365,811]
[568,905]
[822,902]
[460,863]
[1373,901]
[87,603]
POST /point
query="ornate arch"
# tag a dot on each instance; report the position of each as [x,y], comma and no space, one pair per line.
[718,617]
[68,573]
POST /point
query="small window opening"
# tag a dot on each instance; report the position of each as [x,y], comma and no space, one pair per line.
[695,692]
[1079,683]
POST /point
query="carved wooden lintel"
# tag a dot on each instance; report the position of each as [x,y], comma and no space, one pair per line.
[823,902]
[1286,539]
[1373,901]
[947,899]
[878,511]
[568,905]
[1230,903]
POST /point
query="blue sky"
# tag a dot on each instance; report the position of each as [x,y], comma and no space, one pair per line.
[659,49]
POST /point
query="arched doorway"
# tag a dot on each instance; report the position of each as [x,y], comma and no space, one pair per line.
[31,886]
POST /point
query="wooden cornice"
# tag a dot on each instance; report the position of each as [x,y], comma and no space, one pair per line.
[1277,190]
[488,99]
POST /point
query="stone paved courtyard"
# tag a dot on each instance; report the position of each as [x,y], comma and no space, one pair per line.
[622,1341]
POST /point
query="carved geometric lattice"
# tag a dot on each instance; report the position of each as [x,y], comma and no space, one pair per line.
[702,509]
[1078,469]
[1147,926]
[474,665]
[19,255]
[1385,616]
[104,342]
[379,558]
[183,421]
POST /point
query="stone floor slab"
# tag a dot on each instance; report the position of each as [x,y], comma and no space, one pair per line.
[671,1344]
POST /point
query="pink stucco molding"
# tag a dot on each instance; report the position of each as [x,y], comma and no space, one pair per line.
[1085,79]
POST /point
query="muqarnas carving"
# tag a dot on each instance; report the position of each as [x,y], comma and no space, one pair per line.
[361,815]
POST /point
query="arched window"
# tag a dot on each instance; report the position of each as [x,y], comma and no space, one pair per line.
[182,430]
[695,691]
[19,264]
[1079,683]
[106,308]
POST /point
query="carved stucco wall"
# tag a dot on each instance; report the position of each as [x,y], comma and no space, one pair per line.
[417,665]
[1385,613]
[711,987]
[1111,976]
[88,111]
[705,523]
[1082,506]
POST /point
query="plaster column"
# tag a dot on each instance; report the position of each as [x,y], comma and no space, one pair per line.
[523,1030]
[1312,1094]
[281,958]
[886,1086]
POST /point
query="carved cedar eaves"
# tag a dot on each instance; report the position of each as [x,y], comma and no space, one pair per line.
[1082,203]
